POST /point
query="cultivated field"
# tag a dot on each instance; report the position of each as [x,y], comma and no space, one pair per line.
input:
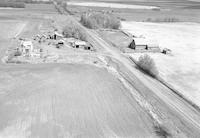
[181,69]
[44,101]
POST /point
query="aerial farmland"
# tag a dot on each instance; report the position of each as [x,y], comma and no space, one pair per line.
[63,76]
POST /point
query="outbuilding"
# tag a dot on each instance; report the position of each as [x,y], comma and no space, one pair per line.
[60,43]
[79,44]
[166,51]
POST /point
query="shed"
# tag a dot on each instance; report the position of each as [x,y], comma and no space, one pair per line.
[88,47]
[60,43]
[138,44]
[166,51]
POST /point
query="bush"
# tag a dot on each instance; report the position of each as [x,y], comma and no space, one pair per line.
[147,64]
[100,20]
[72,30]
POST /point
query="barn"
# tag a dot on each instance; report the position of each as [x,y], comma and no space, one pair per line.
[138,44]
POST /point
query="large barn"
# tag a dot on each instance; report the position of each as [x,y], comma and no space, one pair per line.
[138,44]
[142,44]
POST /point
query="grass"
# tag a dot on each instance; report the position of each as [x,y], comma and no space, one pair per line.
[100,20]
[147,64]
[12,4]
[72,30]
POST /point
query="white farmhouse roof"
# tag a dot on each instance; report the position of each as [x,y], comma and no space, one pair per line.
[27,43]
[80,43]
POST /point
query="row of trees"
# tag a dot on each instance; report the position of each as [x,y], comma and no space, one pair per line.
[100,20]
[72,30]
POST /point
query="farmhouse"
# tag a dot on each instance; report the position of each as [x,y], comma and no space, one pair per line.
[26,48]
[138,44]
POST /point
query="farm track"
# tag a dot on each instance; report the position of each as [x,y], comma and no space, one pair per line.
[179,108]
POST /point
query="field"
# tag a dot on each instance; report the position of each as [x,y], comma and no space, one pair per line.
[181,69]
[44,100]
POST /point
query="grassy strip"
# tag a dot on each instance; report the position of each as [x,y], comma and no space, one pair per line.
[178,93]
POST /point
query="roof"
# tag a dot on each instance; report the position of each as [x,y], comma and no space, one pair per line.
[58,34]
[26,43]
[80,42]
[61,40]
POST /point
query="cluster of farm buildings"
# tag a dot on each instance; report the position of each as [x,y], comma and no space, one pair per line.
[56,39]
